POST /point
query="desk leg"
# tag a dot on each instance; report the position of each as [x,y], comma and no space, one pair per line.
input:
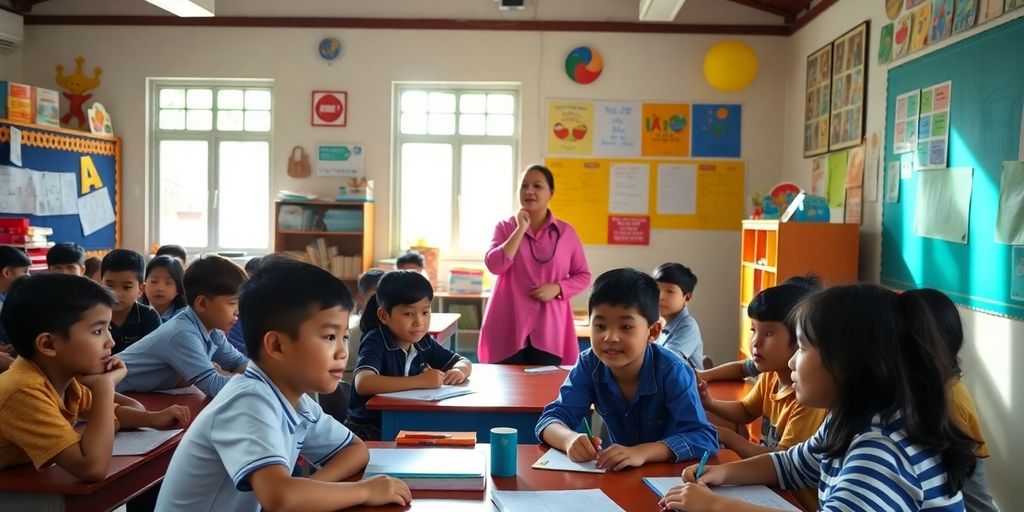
[31,502]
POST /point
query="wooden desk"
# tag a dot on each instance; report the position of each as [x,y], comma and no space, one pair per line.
[444,328]
[626,488]
[22,488]
[505,396]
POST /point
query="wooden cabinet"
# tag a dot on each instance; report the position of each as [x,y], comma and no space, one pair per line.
[295,238]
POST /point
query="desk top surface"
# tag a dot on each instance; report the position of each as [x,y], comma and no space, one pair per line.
[52,479]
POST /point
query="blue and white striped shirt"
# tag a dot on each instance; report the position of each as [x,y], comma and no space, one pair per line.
[882,470]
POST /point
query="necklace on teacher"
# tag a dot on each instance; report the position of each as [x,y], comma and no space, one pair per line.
[554,251]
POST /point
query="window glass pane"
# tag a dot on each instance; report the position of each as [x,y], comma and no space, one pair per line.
[230,99]
[230,120]
[472,124]
[442,102]
[501,124]
[257,120]
[200,120]
[257,100]
[501,104]
[200,98]
[414,101]
[183,192]
[172,98]
[472,103]
[244,198]
[426,195]
[487,193]
[441,124]
[414,124]
[172,119]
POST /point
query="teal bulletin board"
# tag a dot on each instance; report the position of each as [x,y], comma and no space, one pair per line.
[987,74]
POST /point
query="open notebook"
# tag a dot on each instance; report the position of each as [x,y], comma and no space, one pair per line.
[430,395]
[753,494]
[557,460]
[586,500]
[140,442]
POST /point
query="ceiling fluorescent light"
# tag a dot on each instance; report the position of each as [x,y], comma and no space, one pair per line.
[186,8]
[660,10]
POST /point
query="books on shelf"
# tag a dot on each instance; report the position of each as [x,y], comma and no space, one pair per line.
[326,257]
[288,195]
[295,217]
[438,469]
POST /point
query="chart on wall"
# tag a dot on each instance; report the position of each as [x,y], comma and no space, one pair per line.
[618,201]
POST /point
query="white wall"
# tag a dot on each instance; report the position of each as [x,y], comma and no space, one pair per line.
[989,353]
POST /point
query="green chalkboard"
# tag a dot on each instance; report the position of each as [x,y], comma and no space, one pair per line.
[987,71]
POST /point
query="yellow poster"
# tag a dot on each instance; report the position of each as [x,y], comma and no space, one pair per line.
[569,127]
[581,198]
[666,130]
[922,25]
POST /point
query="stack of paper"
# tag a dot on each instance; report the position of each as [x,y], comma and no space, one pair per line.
[429,395]
[140,442]
[435,469]
[753,494]
[588,500]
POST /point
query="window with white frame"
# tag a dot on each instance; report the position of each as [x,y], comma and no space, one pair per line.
[455,159]
[211,155]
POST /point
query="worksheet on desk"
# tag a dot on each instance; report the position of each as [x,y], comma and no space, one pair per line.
[586,500]
[557,460]
[430,395]
[753,494]
[142,441]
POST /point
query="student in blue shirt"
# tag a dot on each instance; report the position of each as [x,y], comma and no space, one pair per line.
[646,395]
[121,271]
[399,354]
[680,333]
[183,351]
[238,454]
[235,337]
[14,263]
[163,288]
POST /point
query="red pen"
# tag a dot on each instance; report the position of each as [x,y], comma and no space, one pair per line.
[427,436]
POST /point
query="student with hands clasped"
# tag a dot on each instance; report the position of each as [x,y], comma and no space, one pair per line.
[889,442]
[646,394]
[59,324]
[398,354]
[239,454]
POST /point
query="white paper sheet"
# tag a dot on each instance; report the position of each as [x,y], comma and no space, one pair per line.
[16,146]
[190,390]
[95,211]
[753,494]
[944,204]
[1010,216]
[55,193]
[617,128]
[142,441]
[630,189]
[677,189]
[892,183]
[541,369]
[17,194]
[557,460]
[430,395]
[587,500]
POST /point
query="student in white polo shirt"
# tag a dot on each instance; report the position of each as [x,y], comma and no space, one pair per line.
[239,453]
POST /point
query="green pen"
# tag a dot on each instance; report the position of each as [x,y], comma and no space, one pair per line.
[586,425]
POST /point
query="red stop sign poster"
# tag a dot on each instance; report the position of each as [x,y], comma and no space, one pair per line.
[329,108]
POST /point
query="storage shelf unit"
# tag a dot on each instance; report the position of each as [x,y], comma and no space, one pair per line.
[349,243]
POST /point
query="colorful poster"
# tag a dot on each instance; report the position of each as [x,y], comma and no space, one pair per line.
[848,73]
[989,9]
[344,160]
[666,129]
[908,108]
[942,20]
[1017,274]
[617,128]
[569,125]
[716,130]
[817,101]
[885,45]
[892,183]
[922,27]
[819,176]
[944,204]
[837,179]
[966,13]
[629,189]
[872,154]
[893,8]
[629,230]
[933,126]
[855,167]
[854,205]
[1010,216]
[901,37]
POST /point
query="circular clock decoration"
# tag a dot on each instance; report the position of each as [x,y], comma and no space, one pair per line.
[584,65]
[329,49]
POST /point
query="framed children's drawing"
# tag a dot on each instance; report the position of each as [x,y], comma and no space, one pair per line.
[817,101]
[849,79]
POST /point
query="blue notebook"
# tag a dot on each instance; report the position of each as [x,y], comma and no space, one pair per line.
[431,468]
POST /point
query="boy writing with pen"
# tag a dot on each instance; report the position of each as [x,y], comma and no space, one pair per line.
[399,354]
[645,393]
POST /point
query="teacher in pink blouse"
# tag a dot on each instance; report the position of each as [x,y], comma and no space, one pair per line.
[540,266]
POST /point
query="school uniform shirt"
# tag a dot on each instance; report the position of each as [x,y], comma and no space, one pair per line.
[141,320]
[881,470]
[236,339]
[682,336]
[248,426]
[180,350]
[785,422]
[380,353]
[35,423]
[171,311]
[666,407]
[552,254]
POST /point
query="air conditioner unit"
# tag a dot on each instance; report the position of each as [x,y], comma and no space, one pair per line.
[660,10]
[12,30]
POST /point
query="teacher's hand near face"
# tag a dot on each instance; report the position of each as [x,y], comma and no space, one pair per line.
[522,220]
[546,292]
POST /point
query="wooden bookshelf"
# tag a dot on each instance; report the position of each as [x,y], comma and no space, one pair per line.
[774,251]
[349,243]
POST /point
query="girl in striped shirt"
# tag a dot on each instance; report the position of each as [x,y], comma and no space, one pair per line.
[889,443]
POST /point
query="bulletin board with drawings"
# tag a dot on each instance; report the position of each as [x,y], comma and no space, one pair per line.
[940,216]
[623,168]
[69,181]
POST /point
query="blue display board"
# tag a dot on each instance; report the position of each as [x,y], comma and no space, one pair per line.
[62,151]
[987,74]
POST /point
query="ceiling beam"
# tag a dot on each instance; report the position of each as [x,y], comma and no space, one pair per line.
[787,15]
